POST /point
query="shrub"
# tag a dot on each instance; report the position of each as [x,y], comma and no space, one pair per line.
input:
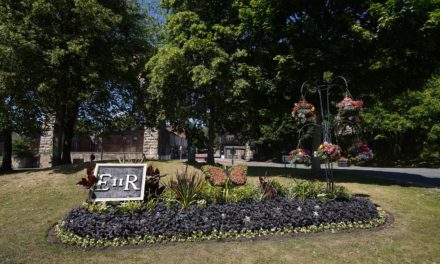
[187,188]
[244,193]
[130,207]
[212,194]
[238,174]
[281,189]
[215,175]
[303,189]
[339,193]
[22,148]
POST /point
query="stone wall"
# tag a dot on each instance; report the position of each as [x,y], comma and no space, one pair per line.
[150,149]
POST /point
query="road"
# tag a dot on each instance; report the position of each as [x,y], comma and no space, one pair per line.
[428,177]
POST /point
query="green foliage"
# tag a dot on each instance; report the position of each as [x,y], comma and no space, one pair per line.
[407,129]
[130,207]
[201,203]
[96,207]
[339,192]
[151,204]
[244,193]
[201,74]
[22,147]
[279,188]
[71,59]
[212,194]
[226,190]
[303,189]
[168,194]
[187,188]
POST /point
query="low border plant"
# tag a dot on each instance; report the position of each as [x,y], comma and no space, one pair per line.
[70,238]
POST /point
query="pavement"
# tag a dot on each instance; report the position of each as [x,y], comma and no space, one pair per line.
[426,177]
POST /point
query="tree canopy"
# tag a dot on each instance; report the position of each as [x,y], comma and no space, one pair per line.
[216,66]
[82,51]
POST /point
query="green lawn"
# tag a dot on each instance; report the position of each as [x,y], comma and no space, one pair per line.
[33,201]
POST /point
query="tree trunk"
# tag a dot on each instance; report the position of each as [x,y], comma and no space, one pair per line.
[191,157]
[58,136]
[68,131]
[7,151]
[211,136]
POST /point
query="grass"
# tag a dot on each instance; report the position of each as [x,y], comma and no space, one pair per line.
[30,202]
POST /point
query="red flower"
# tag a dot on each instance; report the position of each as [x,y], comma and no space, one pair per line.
[358,104]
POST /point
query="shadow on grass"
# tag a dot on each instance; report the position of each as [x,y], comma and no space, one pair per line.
[341,176]
[352,176]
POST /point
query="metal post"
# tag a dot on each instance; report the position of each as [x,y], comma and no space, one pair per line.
[233,154]
[102,148]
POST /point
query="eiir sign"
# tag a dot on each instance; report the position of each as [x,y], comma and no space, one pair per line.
[119,182]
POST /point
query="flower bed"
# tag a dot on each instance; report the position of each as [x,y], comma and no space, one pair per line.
[215,221]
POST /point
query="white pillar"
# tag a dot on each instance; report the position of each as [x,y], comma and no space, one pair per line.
[46,147]
[248,153]
[151,143]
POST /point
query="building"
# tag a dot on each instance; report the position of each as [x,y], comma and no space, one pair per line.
[232,148]
[150,144]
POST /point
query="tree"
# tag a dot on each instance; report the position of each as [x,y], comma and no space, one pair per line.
[383,48]
[19,111]
[82,47]
[199,77]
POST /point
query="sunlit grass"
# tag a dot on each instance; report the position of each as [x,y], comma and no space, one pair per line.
[30,202]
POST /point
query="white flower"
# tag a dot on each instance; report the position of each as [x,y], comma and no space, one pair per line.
[299,209]
[223,216]
[315,213]
[247,219]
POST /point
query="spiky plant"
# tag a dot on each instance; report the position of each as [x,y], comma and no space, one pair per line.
[187,188]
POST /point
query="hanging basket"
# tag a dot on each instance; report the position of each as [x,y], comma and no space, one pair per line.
[300,156]
[360,152]
[328,152]
[349,110]
[303,112]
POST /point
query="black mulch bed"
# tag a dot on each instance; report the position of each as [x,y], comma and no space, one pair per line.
[267,214]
